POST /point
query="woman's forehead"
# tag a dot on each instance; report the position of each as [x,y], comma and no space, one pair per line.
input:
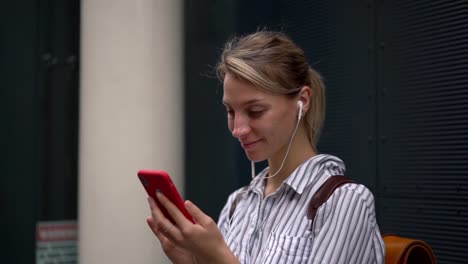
[237,91]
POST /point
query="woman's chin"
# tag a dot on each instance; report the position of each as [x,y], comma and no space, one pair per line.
[255,157]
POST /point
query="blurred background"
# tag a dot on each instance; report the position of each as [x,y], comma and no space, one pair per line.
[92,91]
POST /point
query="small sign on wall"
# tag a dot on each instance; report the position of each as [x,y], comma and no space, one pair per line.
[57,242]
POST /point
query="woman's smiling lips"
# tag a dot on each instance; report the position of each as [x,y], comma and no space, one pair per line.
[249,145]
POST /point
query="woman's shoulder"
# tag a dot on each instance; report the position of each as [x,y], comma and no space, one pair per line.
[359,191]
[312,173]
[323,167]
[323,164]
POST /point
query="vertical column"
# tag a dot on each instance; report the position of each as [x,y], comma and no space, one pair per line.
[131,117]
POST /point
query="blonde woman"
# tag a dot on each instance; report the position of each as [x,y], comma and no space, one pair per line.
[275,107]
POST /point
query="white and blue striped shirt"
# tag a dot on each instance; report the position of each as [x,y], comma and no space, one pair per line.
[275,229]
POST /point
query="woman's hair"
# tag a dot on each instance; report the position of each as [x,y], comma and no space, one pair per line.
[272,62]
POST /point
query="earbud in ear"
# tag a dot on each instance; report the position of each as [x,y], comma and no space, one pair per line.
[299,114]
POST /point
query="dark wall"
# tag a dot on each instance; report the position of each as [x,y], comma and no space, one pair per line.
[339,38]
[210,150]
[423,114]
[397,104]
[19,158]
[39,110]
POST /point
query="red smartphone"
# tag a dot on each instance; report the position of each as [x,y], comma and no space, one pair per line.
[154,180]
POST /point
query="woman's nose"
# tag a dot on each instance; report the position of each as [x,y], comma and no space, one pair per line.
[241,127]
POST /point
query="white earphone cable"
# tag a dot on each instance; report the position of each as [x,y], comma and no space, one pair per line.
[252,164]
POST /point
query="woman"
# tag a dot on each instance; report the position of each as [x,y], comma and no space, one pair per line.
[275,107]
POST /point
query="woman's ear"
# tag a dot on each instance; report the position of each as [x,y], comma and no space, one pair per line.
[304,96]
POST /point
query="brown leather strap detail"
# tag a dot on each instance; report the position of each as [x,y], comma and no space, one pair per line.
[324,192]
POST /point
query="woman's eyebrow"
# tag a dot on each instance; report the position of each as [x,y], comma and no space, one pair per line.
[252,101]
[249,102]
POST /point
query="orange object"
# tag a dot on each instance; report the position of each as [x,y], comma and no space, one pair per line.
[402,250]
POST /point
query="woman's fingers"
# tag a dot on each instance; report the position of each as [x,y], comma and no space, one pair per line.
[203,237]
[152,225]
[173,211]
[166,244]
[155,229]
[171,231]
[155,211]
[160,225]
[197,214]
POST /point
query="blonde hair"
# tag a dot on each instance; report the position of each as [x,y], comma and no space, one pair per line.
[273,63]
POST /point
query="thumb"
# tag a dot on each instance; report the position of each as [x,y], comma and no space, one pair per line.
[195,212]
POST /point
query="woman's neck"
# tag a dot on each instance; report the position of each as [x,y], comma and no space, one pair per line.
[301,150]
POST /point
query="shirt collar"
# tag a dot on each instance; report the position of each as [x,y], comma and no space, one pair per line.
[309,172]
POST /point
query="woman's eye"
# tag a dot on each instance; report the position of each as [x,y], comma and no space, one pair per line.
[255,114]
[230,113]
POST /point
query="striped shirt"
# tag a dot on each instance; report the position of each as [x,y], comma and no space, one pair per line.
[275,229]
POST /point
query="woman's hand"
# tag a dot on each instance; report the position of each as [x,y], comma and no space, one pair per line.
[202,239]
[173,252]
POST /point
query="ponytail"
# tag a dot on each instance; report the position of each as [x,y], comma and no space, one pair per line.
[316,115]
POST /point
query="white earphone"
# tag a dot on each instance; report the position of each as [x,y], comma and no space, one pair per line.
[299,115]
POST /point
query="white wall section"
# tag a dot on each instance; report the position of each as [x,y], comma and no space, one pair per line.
[131,117]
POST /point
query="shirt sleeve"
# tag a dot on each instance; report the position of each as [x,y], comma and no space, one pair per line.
[346,230]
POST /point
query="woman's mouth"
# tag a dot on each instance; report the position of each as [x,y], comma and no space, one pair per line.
[249,145]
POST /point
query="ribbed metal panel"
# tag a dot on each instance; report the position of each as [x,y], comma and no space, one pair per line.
[424,120]
[319,39]
[337,37]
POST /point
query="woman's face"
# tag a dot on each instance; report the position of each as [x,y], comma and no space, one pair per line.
[262,122]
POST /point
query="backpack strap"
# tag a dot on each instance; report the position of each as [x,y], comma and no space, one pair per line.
[324,192]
